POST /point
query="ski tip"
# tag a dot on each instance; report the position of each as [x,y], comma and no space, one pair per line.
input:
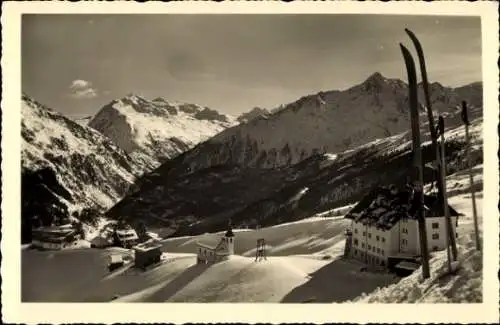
[405,50]
[410,33]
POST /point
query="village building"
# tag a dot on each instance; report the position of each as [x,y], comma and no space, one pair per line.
[210,250]
[115,262]
[147,253]
[105,237]
[101,241]
[126,237]
[55,237]
[384,229]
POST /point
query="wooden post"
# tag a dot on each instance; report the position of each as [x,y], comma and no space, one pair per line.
[465,119]
[450,234]
[445,207]
[261,250]
[417,174]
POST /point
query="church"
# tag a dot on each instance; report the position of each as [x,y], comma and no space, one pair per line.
[215,251]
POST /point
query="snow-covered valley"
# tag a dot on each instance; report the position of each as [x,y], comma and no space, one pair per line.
[304,265]
[295,196]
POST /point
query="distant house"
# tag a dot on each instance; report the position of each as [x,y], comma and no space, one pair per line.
[115,262]
[55,237]
[384,229]
[210,251]
[126,237]
[147,253]
[101,241]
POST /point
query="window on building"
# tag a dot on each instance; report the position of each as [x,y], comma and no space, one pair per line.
[362,254]
[355,230]
[364,233]
[355,252]
[382,263]
[378,250]
[383,239]
[369,247]
[362,245]
[382,251]
[435,236]
[369,235]
[356,242]
[377,238]
[435,225]
[374,249]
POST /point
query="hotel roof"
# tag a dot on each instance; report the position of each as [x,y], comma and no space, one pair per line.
[383,207]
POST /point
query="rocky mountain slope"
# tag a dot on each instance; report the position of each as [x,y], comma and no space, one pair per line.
[155,130]
[332,121]
[63,156]
[84,121]
[253,114]
[193,195]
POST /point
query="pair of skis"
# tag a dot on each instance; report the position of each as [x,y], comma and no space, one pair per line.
[417,153]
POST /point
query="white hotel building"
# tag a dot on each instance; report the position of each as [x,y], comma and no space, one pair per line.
[383,228]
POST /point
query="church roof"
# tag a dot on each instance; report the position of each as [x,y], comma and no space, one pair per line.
[209,242]
[229,233]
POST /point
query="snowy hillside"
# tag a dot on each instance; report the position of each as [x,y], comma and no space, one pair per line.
[92,170]
[331,121]
[153,131]
[304,264]
[198,201]
[301,256]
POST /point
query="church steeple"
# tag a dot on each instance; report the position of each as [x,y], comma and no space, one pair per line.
[229,232]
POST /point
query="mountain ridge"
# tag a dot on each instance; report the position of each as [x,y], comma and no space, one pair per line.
[259,163]
[156,130]
[332,121]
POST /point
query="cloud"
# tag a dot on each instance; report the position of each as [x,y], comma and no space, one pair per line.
[82,89]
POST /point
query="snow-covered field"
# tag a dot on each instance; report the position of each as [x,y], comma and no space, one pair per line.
[303,265]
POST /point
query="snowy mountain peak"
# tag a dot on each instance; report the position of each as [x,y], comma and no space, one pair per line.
[252,114]
[377,83]
[376,77]
[153,131]
[328,121]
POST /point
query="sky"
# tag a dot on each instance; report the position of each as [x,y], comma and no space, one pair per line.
[77,63]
